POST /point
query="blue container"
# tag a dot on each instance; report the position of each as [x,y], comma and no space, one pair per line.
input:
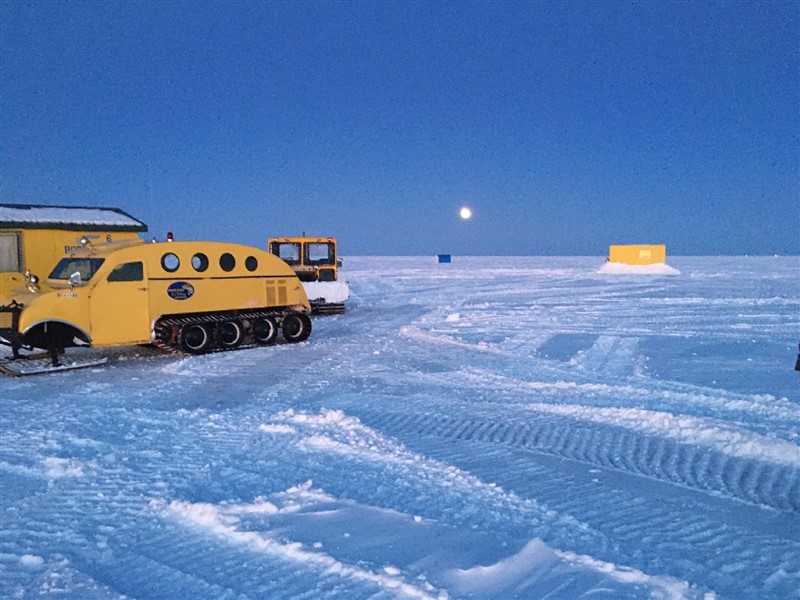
[443,258]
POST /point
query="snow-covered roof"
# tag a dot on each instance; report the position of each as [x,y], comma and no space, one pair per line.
[85,218]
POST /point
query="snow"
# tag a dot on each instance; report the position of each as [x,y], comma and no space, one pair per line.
[31,561]
[516,428]
[612,268]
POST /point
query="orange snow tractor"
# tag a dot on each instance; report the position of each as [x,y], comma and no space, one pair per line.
[316,263]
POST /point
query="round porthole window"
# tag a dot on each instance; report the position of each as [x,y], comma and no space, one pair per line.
[170,262]
[227,262]
[251,263]
[200,262]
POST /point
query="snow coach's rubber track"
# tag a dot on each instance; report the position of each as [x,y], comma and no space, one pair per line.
[167,329]
[221,317]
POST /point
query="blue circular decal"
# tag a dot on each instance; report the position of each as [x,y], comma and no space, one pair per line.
[180,290]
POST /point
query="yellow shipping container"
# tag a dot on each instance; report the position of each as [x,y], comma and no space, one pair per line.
[638,254]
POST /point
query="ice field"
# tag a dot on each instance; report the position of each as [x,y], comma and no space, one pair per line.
[494,428]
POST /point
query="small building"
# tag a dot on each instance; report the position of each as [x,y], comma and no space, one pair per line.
[443,258]
[637,254]
[36,237]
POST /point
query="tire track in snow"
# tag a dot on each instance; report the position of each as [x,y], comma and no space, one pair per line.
[775,415]
[635,451]
[296,562]
[609,357]
[431,487]
[419,484]
[599,381]
[138,576]
[645,529]
[772,484]
[131,559]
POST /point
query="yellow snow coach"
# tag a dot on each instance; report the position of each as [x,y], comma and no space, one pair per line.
[316,263]
[192,296]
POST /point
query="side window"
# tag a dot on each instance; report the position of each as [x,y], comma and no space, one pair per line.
[132,271]
[200,262]
[170,262]
[227,262]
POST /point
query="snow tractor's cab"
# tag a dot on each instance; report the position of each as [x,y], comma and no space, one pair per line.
[316,262]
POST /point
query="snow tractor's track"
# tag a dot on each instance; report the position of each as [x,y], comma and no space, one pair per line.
[255,328]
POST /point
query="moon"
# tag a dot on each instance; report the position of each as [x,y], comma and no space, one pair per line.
[465,213]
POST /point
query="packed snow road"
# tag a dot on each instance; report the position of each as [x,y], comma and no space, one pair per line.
[493,428]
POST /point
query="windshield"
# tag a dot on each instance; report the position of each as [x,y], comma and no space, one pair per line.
[319,253]
[87,267]
[289,252]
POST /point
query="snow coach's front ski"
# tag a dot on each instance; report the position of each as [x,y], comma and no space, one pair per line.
[22,367]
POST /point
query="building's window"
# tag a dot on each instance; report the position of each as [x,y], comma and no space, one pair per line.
[11,253]
[251,263]
[132,271]
[170,262]
[227,262]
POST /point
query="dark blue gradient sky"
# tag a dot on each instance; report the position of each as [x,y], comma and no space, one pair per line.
[566,126]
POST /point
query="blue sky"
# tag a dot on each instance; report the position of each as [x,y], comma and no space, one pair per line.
[566,126]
